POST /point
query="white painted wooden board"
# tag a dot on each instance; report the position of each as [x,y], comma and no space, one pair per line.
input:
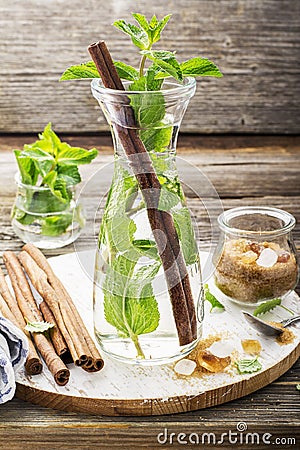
[123,389]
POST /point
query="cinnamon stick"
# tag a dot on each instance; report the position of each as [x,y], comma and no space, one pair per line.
[10,310]
[170,252]
[56,337]
[39,280]
[30,310]
[52,290]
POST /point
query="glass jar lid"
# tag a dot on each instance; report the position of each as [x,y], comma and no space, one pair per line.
[256,221]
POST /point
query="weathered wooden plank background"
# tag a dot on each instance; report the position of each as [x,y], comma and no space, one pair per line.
[255,43]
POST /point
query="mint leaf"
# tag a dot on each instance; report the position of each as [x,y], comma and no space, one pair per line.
[248,365]
[84,70]
[68,155]
[157,139]
[120,230]
[49,141]
[167,199]
[56,225]
[126,72]
[212,299]
[199,67]
[142,313]
[28,171]
[138,85]
[153,84]
[165,60]
[142,21]
[38,327]
[138,36]
[129,304]
[43,160]
[58,186]
[146,247]
[152,28]
[185,231]
[22,217]
[70,174]
[157,27]
[265,307]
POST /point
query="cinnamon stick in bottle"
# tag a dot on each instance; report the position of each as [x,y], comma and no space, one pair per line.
[54,293]
[161,222]
[10,310]
[30,310]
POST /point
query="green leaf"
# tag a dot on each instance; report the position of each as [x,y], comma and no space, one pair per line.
[57,185]
[152,84]
[84,70]
[129,304]
[138,85]
[43,160]
[158,27]
[167,199]
[75,155]
[28,171]
[165,60]
[157,139]
[212,299]
[152,28]
[146,247]
[23,218]
[70,174]
[49,141]
[56,225]
[138,36]
[200,67]
[126,72]
[265,307]
[38,327]
[185,231]
[142,314]
[248,365]
[142,21]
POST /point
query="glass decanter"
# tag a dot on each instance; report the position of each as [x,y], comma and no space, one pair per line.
[148,304]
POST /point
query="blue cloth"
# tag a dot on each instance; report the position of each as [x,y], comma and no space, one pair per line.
[13,354]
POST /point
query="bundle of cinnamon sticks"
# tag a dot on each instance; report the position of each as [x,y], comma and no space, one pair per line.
[69,340]
[161,222]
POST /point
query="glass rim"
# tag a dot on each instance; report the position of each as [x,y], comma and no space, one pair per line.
[188,85]
[288,219]
[34,187]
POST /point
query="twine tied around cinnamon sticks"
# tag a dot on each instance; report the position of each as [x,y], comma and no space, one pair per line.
[161,222]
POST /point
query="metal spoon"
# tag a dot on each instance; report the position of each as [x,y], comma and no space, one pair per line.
[266,328]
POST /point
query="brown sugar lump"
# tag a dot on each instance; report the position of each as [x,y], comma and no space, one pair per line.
[211,362]
[251,346]
[250,272]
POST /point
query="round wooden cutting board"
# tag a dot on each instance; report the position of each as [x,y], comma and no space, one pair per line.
[123,389]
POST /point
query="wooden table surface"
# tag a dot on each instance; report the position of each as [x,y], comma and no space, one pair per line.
[245,171]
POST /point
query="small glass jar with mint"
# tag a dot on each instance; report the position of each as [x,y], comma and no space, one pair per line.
[46,212]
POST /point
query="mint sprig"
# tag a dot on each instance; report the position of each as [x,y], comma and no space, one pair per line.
[51,163]
[144,35]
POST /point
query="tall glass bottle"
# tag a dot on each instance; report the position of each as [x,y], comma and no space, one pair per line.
[148,306]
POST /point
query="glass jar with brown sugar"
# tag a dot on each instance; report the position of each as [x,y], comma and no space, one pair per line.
[255,259]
